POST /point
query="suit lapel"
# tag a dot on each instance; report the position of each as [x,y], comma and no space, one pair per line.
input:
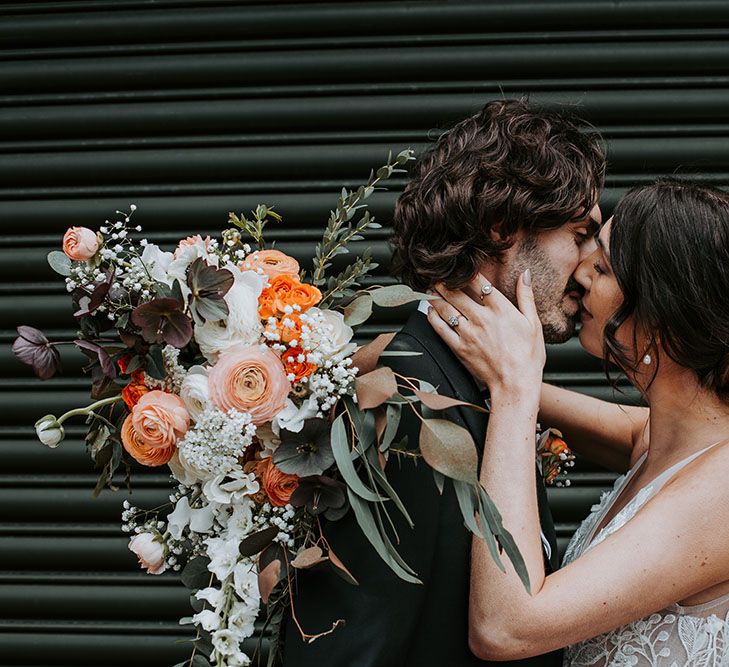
[461,385]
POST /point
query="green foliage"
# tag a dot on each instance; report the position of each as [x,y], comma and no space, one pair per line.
[342,229]
[254,228]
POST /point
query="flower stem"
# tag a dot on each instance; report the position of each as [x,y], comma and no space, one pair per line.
[88,409]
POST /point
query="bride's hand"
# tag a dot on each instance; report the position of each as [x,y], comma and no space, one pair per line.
[500,345]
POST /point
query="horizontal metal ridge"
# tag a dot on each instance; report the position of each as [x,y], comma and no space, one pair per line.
[365,65]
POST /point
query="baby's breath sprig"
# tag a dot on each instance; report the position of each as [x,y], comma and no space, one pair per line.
[340,231]
[254,228]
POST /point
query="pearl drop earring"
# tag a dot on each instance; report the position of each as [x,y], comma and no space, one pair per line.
[647,360]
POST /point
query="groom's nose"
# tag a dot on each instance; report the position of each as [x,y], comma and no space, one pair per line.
[587,248]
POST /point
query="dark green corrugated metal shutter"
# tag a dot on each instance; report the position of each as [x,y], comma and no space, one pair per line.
[191,109]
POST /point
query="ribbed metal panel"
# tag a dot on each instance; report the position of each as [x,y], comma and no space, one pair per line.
[191,109]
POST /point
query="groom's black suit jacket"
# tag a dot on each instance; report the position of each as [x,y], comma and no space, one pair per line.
[389,622]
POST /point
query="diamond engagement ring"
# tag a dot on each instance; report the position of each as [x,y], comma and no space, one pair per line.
[453,321]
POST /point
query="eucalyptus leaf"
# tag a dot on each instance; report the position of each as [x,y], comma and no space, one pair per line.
[449,448]
[256,542]
[381,480]
[396,295]
[59,262]
[366,522]
[358,311]
[467,502]
[343,457]
[195,574]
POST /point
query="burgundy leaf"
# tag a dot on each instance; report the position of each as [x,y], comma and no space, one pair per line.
[177,330]
[92,350]
[33,348]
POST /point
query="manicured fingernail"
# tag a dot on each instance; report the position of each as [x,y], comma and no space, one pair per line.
[528,277]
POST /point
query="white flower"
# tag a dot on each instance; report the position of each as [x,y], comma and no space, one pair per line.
[150,552]
[245,581]
[179,519]
[292,417]
[337,334]
[243,616]
[208,619]
[49,431]
[214,596]
[239,523]
[238,659]
[186,255]
[268,439]
[243,324]
[223,554]
[225,642]
[156,262]
[183,471]
[200,519]
[194,391]
[229,487]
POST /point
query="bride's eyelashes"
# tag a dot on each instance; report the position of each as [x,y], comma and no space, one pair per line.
[598,268]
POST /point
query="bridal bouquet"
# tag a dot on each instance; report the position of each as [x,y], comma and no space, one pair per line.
[227,363]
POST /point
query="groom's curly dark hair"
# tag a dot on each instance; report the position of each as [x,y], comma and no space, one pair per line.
[511,166]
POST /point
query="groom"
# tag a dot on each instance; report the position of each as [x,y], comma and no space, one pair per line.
[510,188]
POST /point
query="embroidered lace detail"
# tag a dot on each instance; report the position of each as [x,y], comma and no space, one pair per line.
[679,636]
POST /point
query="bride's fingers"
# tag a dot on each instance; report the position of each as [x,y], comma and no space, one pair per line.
[442,328]
[525,298]
[447,312]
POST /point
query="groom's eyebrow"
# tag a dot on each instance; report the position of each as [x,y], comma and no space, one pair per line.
[600,244]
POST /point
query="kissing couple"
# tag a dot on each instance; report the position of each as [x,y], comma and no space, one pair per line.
[501,224]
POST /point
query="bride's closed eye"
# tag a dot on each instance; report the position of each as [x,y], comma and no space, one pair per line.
[598,268]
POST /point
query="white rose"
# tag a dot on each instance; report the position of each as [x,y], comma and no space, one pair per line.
[292,418]
[183,471]
[149,551]
[243,324]
[194,391]
[49,431]
[336,334]
[231,486]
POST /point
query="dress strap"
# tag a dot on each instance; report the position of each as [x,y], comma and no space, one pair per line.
[666,475]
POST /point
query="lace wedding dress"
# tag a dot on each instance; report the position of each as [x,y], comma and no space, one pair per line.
[696,636]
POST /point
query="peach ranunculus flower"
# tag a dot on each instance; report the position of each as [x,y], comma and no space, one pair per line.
[140,451]
[277,485]
[272,262]
[80,243]
[150,552]
[160,419]
[286,290]
[249,378]
[196,240]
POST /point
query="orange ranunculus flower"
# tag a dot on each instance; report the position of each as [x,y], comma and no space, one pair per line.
[133,392]
[272,262]
[278,485]
[266,305]
[289,328]
[291,363]
[139,450]
[160,419]
[249,379]
[123,362]
[290,291]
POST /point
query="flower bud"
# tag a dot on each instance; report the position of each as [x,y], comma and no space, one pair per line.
[49,431]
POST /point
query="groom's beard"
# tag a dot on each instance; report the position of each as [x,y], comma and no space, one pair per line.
[558,312]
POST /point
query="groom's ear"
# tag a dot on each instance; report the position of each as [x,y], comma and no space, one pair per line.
[500,234]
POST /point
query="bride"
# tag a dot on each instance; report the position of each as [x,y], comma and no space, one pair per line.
[645,579]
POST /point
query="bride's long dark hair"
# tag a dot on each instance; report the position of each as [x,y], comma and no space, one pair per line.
[669,251]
